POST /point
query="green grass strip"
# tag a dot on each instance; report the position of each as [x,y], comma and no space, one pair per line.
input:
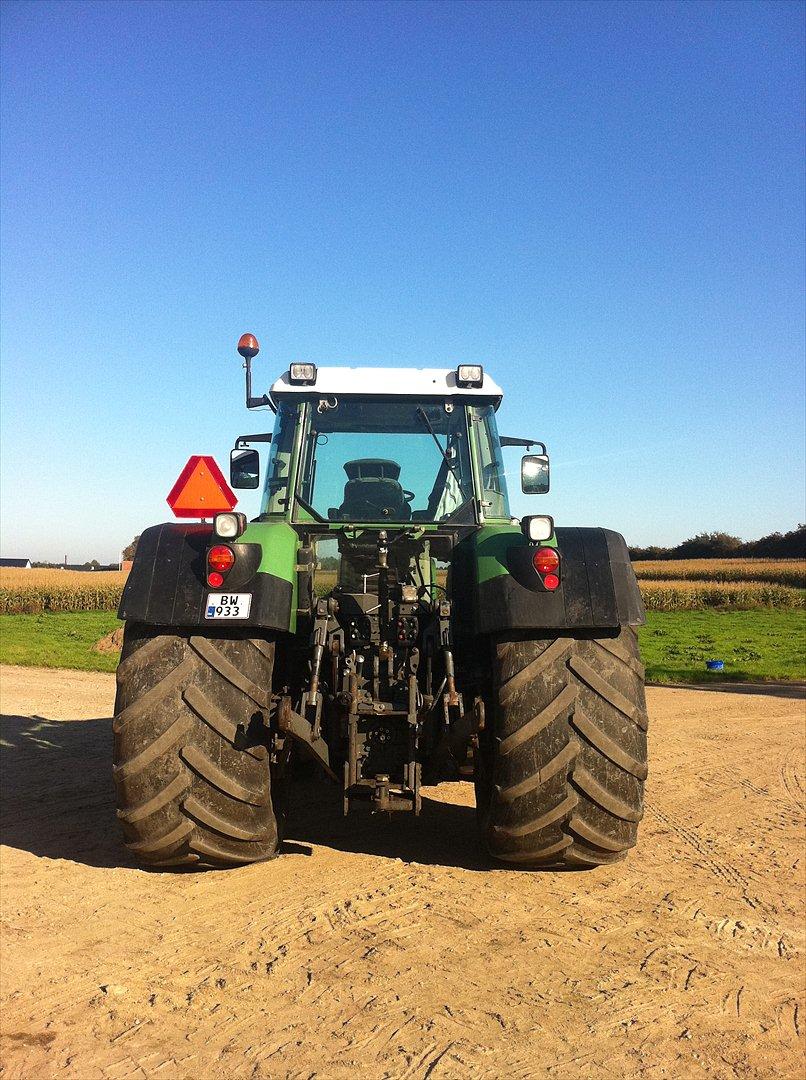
[57,640]
[756,646]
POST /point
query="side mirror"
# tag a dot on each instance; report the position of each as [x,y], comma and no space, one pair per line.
[244,468]
[535,474]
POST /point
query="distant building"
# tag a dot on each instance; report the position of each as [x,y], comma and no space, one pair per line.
[17,564]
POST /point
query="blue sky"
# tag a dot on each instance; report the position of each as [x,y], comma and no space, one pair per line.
[603,203]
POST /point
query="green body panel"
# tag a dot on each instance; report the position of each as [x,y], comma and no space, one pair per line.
[481,558]
[279,544]
[489,546]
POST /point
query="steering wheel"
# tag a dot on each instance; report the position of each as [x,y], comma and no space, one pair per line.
[409,496]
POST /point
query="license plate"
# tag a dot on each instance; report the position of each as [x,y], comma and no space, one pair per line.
[228,605]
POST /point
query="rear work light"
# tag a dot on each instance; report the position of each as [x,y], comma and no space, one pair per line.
[302,374]
[220,558]
[547,563]
[468,375]
[229,526]
[537,527]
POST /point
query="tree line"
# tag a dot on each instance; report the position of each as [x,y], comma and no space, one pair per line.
[705,545]
[720,545]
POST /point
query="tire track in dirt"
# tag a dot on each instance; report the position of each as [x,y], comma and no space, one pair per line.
[793,784]
[721,869]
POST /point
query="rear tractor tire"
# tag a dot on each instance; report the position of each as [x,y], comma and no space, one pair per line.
[561,770]
[191,764]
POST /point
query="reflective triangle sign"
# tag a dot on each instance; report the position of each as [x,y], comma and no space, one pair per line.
[201,490]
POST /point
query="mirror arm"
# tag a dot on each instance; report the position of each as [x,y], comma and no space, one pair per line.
[242,440]
[509,440]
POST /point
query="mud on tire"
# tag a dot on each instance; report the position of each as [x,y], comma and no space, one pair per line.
[562,770]
[191,766]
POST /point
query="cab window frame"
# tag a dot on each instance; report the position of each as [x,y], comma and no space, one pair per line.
[494,501]
[306,470]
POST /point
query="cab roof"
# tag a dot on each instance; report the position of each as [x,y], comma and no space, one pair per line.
[387,382]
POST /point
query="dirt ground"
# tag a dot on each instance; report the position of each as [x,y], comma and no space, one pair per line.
[373,950]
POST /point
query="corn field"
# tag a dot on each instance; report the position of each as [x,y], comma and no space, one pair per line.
[30,592]
[677,595]
[790,572]
[726,584]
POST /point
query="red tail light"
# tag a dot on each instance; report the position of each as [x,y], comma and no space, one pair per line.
[546,561]
[215,580]
[220,558]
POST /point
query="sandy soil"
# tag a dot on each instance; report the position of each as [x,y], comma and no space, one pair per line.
[370,950]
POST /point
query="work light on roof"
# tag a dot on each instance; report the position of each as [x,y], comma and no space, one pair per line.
[468,375]
[302,374]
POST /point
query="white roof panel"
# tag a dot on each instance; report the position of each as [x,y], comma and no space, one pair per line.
[400,382]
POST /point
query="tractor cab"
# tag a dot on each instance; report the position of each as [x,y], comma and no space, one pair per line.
[382,446]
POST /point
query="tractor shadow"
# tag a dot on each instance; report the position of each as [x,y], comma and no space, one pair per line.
[57,801]
[444,834]
[57,798]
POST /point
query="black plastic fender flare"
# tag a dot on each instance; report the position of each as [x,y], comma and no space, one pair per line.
[167,585]
[598,589]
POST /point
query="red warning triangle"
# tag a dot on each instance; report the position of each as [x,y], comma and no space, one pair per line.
[201,490]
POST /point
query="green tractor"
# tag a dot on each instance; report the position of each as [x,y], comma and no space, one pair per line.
[445,640]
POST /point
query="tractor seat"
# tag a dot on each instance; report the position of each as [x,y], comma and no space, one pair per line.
[372,492]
